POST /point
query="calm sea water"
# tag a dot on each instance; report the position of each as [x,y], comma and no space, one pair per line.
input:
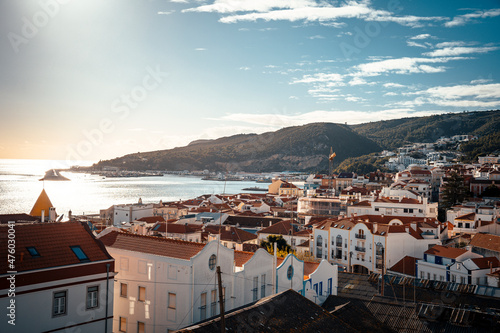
[20,187]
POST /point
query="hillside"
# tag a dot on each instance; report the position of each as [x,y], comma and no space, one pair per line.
[306,148]
[395,133]
[298,148]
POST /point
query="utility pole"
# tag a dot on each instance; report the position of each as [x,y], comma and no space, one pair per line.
[221,302]
[382,284]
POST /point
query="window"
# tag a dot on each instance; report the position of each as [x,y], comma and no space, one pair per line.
[462,279]
[422,274]
[212,262]
[319,247]
[123,290]
[141,327]
[203,306]
[289,272]
[263,285]
[453,278]
[77,250]
[171,307]
[213,304]
[92,297]
[33,251]
[142,294]
[171,301]
[255,287]
[123,324]
[59,307]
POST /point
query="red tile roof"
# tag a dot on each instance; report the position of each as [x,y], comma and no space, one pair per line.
[241,257]
[280,228]
[484,263]
[309,268]
[486,241]
[153,245]
[152,219]
[466,217]
[231,234]
[52,241]
[446,252]
[405,266]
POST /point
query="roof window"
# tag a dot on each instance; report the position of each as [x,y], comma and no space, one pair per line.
[77,250]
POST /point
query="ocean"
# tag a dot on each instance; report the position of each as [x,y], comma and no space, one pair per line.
[85,193]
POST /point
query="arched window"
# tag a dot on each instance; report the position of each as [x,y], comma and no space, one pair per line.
[319,247]
[339,241]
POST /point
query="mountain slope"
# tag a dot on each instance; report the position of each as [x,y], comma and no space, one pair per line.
[395,133]
[298,148]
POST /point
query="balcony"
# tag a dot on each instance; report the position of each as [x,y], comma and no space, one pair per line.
[339,244]
[378,266]
[379,252]
[360,249]
[360,236]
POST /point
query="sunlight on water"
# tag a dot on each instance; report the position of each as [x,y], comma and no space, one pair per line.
[85,193]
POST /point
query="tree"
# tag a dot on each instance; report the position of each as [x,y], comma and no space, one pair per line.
[454,190]
[491,191]
[283,247]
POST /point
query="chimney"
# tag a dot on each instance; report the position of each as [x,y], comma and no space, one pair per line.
[52,214]
[375,227]
[413,225]
[228,227]
[43,216]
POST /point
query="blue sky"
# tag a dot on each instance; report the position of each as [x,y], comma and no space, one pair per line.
[90,80]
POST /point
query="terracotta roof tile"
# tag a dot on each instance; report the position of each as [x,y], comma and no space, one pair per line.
[52,241]
[486,241]
[153,245]
[242,257]
[405,266]
[151,219]
[484,263]
[444,251]
[309,268]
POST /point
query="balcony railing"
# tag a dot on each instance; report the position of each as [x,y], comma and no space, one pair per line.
[379,252]
[379,266]
[359,248]
[360,236]
[339,244]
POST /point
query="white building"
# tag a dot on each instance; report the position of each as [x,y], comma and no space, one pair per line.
[64,277]
[455,265]
[471,218]
[122,214]
[367,243]
[164,284]
[406,207]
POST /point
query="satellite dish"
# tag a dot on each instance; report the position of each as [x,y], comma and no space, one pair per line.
[60,218]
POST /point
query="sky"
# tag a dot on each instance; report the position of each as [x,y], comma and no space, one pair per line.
[97,79]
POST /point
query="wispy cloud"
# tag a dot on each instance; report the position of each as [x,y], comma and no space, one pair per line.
[459,50]
[464,19]
[321,77]
[405,65]
[316,37]
[200,49]
[350,117]
[473,95]
[415,44]
[393,85]
[421,36]
[305,10]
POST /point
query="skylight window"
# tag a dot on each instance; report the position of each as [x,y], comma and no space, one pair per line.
[77,250]
[157,227]
[33,251]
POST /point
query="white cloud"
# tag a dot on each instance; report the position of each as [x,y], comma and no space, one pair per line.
[304,10]
[244,68]
[464,19]
[459,50]
[480,81]
[421,36]
[321,77]
[356,81]
[411,43]
[393,85]
[404,65]
[390,93]
[479,96]
[316,37]
[350,117]
[200,49]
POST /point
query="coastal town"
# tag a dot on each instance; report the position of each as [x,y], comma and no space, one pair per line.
[422,242]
